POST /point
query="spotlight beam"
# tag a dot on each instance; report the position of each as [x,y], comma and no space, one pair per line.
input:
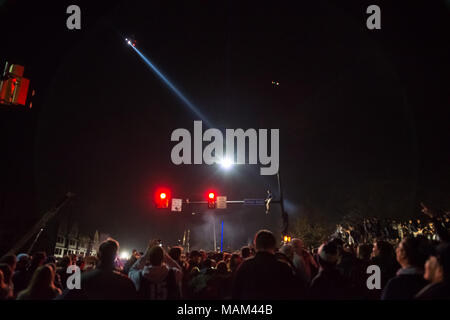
[172,87]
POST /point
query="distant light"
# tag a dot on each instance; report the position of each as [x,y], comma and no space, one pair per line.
[124,255]
[129,42]
[211,195]
[162,195]
[226,163]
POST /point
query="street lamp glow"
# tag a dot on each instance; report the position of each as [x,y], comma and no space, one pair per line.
[124,255]
[226,163]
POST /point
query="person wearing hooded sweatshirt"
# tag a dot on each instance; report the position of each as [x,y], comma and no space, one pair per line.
[156,275]
[329,283]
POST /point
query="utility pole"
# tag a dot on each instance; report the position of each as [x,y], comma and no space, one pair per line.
[214,231]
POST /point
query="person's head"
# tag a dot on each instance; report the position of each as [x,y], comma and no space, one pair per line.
[328,255]
[437,267]
[38,259]
[288,251]
[222,267]
[412,252]
[23,260]
[42,279]
[265,241]
[235,261]
[297,245]
[195,257]
[245,252]
[107,252]
[7,273]
[156,256]
[382,249]
[364,251]
[10,260]
[175,253]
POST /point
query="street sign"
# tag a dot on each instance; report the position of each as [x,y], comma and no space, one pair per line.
[221,202]
[254,202]
[177,204]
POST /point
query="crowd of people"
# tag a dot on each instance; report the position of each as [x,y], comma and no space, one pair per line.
[416,268]
[362,230]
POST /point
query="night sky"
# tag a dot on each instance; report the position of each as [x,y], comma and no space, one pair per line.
[363,114]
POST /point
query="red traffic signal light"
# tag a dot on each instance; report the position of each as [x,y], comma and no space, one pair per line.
[162,198]
[211,200]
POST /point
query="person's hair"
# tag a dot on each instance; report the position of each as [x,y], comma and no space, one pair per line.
[443,257]
[156,256]
[107,251]
[42,280]
[265,240]
[364,251]
[328,255]
[175,253]
[9,259]
[222,267]
[287,250]
[245,252]
[7,272]
[416,250]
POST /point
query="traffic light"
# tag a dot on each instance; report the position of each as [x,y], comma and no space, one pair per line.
[162,198]
[211,200]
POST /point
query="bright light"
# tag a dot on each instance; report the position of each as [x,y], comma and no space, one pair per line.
[163,195]
[124,255]
[129,42]
[226,163]
[211,195]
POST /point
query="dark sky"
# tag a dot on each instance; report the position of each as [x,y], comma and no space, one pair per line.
[362,114]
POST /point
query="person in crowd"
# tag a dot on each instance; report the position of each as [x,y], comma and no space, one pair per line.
[286,255]
[175,254]
[359,275]
[437,272]
[7,279]
[23,279]
[103,283]
[329,283]
[383,255]
[156,275]
[10,260]
[262,276]
[195,259]
[245,252]
[221,282]
[303,261]
[57,281]
[90,263]
[20,274]
[411,254]
[235,261]
[201,284]
[61,270]
[5,290]
[41,286]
